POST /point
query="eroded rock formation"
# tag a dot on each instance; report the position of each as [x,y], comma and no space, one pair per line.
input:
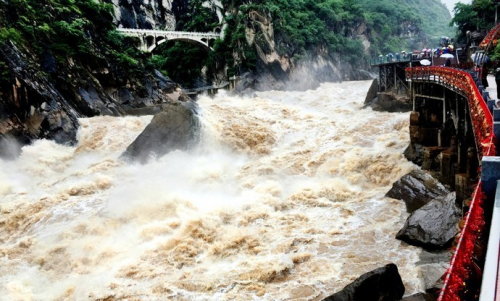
[382,284]
[176,127]
[434,225]
[416,189]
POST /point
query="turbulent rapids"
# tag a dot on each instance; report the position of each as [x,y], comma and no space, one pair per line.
[283,200]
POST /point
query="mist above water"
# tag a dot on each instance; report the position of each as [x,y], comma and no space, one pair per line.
[283,200]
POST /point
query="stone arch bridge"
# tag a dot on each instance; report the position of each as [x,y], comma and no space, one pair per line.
[150,39]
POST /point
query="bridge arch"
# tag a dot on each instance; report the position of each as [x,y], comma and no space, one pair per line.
[150,39]
[205,43]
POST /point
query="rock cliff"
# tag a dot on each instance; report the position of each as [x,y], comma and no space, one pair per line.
[146,14]
[72,68]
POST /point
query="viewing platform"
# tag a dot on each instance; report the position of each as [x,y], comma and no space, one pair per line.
[449,102]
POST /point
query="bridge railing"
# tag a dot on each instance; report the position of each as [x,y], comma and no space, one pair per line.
[385,59]
[461,265]
[491,38]
[165,32]
[462,82]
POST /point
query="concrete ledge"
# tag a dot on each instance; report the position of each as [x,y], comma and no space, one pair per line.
[490,173]
[490,274]
[490,103]
[496,114]
[496,131]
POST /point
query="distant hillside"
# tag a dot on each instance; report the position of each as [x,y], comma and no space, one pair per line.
[430,16]
[277,38]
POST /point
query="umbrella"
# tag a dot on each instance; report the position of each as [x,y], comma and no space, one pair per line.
[447,55]
[479,58]
[425,62]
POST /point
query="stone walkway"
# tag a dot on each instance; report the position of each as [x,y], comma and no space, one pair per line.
[492,87]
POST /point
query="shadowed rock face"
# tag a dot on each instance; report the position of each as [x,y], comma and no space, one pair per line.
[177,127]
[145,14]
[434,225]
[382,284]
[37,106]
[416,189]
[32,108]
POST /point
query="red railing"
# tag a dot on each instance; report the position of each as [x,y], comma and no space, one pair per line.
[491,38]
[455,282]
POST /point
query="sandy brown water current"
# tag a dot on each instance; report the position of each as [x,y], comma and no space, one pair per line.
[283,200]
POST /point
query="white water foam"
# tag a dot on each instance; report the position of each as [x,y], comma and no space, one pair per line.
[283,200]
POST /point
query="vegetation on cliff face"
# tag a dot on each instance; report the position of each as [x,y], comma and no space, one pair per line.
[476,19]
[477,16]
[63,59]
[78,34]
[337,28]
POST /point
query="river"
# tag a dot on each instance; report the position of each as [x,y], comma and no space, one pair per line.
[283,200]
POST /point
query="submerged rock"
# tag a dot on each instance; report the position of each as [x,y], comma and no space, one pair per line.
[434,225]
[176,127]
[416,189]
[382,284]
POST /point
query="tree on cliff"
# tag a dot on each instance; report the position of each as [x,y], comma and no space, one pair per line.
[478,16]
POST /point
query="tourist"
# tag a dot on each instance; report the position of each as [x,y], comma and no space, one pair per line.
[447,63]
[484,76]
[497,81]
[483,73]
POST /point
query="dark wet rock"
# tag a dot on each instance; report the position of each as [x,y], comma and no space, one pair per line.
[415,153]
[391,102]
[433,226]
[433,265]
[416,189]
[176,127]
[48,62]
[164,83]
[94,100]
[419,297]
[245,84]
[382,284]
[372,92]
[32,108]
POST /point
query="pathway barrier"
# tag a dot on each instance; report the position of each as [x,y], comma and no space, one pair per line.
[491,38]
[461,265]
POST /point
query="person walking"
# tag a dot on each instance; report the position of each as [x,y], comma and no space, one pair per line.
[497,81]
[483,75]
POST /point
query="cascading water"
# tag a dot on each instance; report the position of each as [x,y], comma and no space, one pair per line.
[283,200]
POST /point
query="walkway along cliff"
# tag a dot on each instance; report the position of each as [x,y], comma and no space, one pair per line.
[452,135]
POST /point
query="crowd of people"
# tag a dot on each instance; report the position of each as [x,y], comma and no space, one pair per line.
[445,46]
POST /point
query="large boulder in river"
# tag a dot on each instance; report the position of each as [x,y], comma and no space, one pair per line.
[176,127]
[416,189]
[382,284]
[433,226]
